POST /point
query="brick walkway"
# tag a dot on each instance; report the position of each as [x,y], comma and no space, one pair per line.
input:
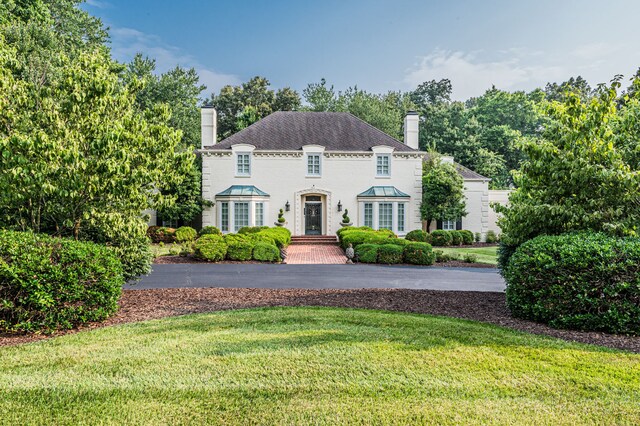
[315,254]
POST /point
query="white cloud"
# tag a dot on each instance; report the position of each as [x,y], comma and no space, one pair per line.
[471,76]
[472,73]
[127,42]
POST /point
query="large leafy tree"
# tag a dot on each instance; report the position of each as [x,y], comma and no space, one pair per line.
[179,90]
[583,175]
[442,191]
[78,157]
[240,106]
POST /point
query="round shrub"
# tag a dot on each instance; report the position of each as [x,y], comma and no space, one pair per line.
[264,252]
[281,235]
[419,254]
[340,232]
[238,247]
[185,234]
[163,234]
[397,241]
[367,237]
[207,230]
[467,237]
[367,253]
[418,235]
[210,247]
[251,229]
[456,238]
[491,237]
[49,283]
[440,238]
[261,238]
[390,254]
[583,281]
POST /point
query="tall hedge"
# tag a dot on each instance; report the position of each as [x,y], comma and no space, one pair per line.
[583,281]
[49,283]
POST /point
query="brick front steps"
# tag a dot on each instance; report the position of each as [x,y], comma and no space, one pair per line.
[313,239]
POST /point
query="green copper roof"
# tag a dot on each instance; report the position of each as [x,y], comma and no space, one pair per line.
[242,191]
[383,191]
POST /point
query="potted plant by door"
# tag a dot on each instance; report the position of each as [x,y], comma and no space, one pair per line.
[281,218]
[345,219]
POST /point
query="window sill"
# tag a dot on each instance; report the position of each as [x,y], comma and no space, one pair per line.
[383,176]
[242,176]
[313,176]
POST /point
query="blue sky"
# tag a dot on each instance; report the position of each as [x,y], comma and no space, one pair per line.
[381,45]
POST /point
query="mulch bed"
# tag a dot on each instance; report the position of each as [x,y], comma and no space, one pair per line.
[189,259]
[140,305]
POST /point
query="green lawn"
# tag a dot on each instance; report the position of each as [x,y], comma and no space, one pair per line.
[485,254]
[315,365]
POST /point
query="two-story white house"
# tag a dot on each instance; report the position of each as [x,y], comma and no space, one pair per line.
[313,166]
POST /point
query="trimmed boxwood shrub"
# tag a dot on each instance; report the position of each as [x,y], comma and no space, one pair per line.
[260,238]
[49,283]
[419,254]
[264,252]
[340,232]
[367,253]
[211,247]
[456,238]
[251,229]
[281,235]
[440,238]
[161,234]
[583,281]
[491,237]
[185,234]
[390,254]
[238,247]
[366,237]
[467,237]
[418,235]
[207,230]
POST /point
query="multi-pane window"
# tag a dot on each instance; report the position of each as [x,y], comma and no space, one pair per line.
[382,165]
[240,215]
[368,214]
[243,164]
[449,225]
[400,217]
[224,217]
[313,164]
[259,214]
[385,216]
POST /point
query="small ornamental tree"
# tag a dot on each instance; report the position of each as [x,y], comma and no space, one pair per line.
[442,191]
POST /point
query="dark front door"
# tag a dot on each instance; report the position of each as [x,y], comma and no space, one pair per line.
[312,218]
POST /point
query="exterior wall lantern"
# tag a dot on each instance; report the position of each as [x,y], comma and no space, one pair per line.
[287,206]
[339,206]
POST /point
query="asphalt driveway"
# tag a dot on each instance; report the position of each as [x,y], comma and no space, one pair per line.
[320,277]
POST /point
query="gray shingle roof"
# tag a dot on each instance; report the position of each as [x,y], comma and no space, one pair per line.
[468,173]
[291,130]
